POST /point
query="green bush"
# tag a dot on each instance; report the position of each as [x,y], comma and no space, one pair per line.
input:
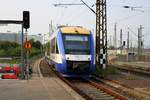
[13,49]
[35,52]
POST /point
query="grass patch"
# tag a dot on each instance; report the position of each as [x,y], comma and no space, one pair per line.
[108,71]
[131,77]
[14,61]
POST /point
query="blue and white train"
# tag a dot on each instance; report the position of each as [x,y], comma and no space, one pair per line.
[72,51]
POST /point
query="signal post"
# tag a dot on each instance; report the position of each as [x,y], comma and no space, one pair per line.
[27,44]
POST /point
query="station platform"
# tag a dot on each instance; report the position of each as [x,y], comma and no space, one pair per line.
[37,88]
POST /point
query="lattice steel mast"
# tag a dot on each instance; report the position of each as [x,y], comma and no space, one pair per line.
[101,34]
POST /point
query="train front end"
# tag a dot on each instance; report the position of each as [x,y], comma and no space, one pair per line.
[78,55]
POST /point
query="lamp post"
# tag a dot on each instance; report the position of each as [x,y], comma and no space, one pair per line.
[136,8]
[44,45]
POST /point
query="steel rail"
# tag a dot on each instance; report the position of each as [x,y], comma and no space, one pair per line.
[87,97]
[84,95]
[133,93]
[91,83]
[136,70]
[108,91]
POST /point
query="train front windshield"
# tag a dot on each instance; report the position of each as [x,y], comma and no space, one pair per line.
[77,44]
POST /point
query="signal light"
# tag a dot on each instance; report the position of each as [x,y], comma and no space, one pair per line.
[124,43]
[26,19]
[141,43]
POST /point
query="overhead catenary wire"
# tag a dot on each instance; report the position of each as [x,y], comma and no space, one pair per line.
[57,15]
[132,32]
[75,17]
[71,4]
[60,16]
[81,12]
[88,6]
[70,14]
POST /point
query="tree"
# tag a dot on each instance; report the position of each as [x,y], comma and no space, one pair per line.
[36,44]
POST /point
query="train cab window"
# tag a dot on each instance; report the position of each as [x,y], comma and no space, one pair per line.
[76,44]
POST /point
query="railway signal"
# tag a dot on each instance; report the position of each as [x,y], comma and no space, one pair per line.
[124,43]
[26,19]
[27,44]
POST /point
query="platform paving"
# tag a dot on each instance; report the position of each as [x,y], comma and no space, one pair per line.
[37,88]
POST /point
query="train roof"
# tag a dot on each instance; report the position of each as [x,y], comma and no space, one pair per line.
[74,30]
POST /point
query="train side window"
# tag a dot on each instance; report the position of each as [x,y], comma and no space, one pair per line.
[56,47]
[53,45]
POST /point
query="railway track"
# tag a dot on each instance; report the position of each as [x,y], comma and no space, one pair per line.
[96,91]
[46,71]
[132,70]
[93,92]
[87,88]
[128,91]
[90,90]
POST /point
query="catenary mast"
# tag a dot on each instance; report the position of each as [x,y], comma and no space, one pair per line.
[101,34]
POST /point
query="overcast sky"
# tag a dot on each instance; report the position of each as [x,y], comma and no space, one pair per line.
[43,11]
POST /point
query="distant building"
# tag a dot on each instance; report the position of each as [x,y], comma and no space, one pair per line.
[43,38]
[36,38]
[13,37]
[17,37]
